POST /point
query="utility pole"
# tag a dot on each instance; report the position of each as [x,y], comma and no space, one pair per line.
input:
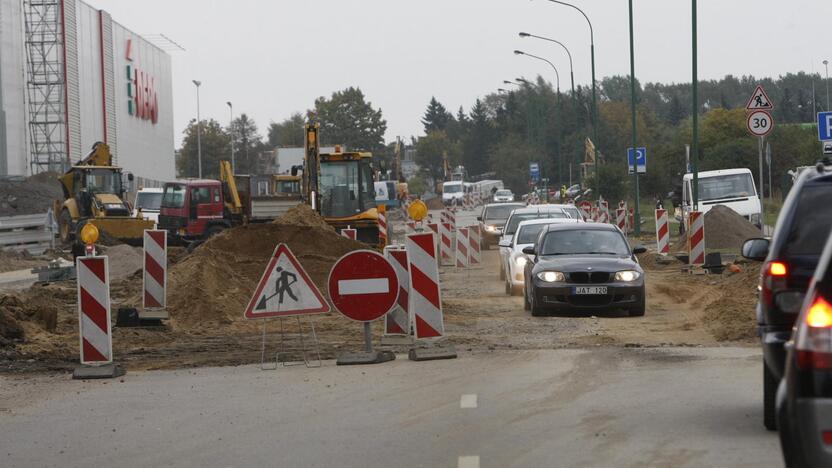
[198,129]
[635,134]
[231,133]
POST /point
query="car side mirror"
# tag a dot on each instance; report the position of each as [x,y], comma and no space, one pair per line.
[639,249]
[530,250]
[504,243]
[756,249]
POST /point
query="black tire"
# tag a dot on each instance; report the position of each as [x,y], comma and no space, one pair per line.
[526,304]
[213,231]
[638,311]
[770,384]
[537,311]
[66,227]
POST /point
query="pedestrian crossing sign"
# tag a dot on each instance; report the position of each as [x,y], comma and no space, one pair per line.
[285,290]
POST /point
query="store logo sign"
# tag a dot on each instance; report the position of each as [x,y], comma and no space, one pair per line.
[143,102]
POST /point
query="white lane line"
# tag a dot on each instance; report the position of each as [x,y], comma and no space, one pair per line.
[468,401]
[469,461]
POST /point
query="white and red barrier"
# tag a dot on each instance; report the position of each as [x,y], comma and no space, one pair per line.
[475,245]
[631,220]
[446,246]
[349,233]
[93,282]
[586,210]
[696,238]
[397,321]
[462,248]
[662,232]
[434,228]
[410,227]
[383,236]
[604,212]
[425,303]
[154,279]
[621,219]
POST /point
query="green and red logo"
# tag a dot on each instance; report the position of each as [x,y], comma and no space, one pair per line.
[143,101]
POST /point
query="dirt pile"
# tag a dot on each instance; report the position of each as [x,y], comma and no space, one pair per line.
[435,203]
[11,261]
[124,260]
[726,229]
[32,195]
[212,286]
[731,316]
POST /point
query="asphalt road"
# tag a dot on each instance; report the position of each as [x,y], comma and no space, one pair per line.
[622,407]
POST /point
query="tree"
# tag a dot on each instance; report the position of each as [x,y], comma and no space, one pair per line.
[247,143]
[289,133]
[347,118]
[216,145]
[436,117]
[431,151]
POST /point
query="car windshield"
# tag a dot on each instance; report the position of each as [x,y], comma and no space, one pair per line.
[499,212]
[346,188]
[456,188]
[515,219]
[103,181]
[502,193]
[528,234]
[727,186]
[584,242]
[148,201]
[811,228]
[174,196]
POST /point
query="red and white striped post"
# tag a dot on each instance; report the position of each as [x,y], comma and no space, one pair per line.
[475,245]
[662,232]
[586,210]
[93,283]
[462,248]
[154,279]
[446,246]
[604,212]
[434,228]
[425,303]
[621,219]
[631,217]
[696,238]
[397,322]
[383,237]
[349,233]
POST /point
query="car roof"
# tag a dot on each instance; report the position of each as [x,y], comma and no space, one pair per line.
[581,226]
[539,209]
[151,190]
[505,204]
[720,172]
[546,221]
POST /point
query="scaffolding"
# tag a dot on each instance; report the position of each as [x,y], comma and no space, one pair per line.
[45,85]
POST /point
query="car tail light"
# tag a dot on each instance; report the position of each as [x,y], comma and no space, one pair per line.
[774,280]
[813,344]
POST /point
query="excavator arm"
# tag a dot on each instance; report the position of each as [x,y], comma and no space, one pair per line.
[227,178]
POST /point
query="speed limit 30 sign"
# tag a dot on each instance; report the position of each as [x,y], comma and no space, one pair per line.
[760,123]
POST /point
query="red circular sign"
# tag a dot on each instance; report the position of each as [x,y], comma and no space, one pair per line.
[363,285]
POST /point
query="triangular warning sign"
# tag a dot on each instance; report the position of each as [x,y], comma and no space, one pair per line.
[759,100]
[285,289]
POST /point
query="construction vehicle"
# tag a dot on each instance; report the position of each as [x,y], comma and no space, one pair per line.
[340,187]
[94,193]
[196,209]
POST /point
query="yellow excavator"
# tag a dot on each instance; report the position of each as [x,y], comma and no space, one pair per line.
[340,186]
[94,194]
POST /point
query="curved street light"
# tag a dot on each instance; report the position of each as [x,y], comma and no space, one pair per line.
[557,75]
[569,54]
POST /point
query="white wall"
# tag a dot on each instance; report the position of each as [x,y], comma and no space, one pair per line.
[13,89]
[89,78]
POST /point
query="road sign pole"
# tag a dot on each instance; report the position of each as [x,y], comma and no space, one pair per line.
[762,187]
[695,114]
[768,163]
[368,338]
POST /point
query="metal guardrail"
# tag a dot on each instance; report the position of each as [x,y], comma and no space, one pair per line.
[32,233]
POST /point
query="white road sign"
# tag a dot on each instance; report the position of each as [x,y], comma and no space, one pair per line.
[760,123]
[759,100]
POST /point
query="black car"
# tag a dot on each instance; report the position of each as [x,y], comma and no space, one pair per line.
[804,399]
[492,219]
[583,267]
[790,259]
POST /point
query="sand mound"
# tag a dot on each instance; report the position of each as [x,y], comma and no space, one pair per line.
[33,195]
[435,203]
[726,229]
[213,285]
[124,260]
[731,316]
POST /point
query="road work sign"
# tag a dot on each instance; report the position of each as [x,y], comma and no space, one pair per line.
[285,289]
[825,126]
[759,100]
[363,285]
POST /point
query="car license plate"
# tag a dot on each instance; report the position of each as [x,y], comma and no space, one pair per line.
[589,290]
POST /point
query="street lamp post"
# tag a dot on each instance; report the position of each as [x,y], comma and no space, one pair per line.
[637,219]
[198,129]
[571,69]
[557,76]
[826,64]
[695,115]
[594,98]
[231,132]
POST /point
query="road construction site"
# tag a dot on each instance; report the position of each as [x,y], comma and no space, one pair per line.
[209,289]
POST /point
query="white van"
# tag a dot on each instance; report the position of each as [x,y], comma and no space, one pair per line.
[148,203]
[453,191]
[733,188]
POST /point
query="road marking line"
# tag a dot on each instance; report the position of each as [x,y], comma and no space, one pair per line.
[468,401]
[470,461]
[363,286]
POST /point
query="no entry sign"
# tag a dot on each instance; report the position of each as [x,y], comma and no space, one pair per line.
[363,285]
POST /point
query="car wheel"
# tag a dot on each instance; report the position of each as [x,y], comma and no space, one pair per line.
[526,304]
[537,311]
[502,270]
[638,311]
[213,231]
[66,227]
[769,399]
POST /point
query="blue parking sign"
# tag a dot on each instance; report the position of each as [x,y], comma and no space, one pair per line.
[640,155]
[824,126]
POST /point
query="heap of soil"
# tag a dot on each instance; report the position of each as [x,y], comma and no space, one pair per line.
[731,316]
[435,203]
[11,261]
[32,195]
[212,286]
[727,229]
[124,260]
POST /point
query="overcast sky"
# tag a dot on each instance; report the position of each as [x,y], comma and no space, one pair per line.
[272,58]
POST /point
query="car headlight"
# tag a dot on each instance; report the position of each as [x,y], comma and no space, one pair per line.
[627,276]
[491,228]
[520,261]
[551,276]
